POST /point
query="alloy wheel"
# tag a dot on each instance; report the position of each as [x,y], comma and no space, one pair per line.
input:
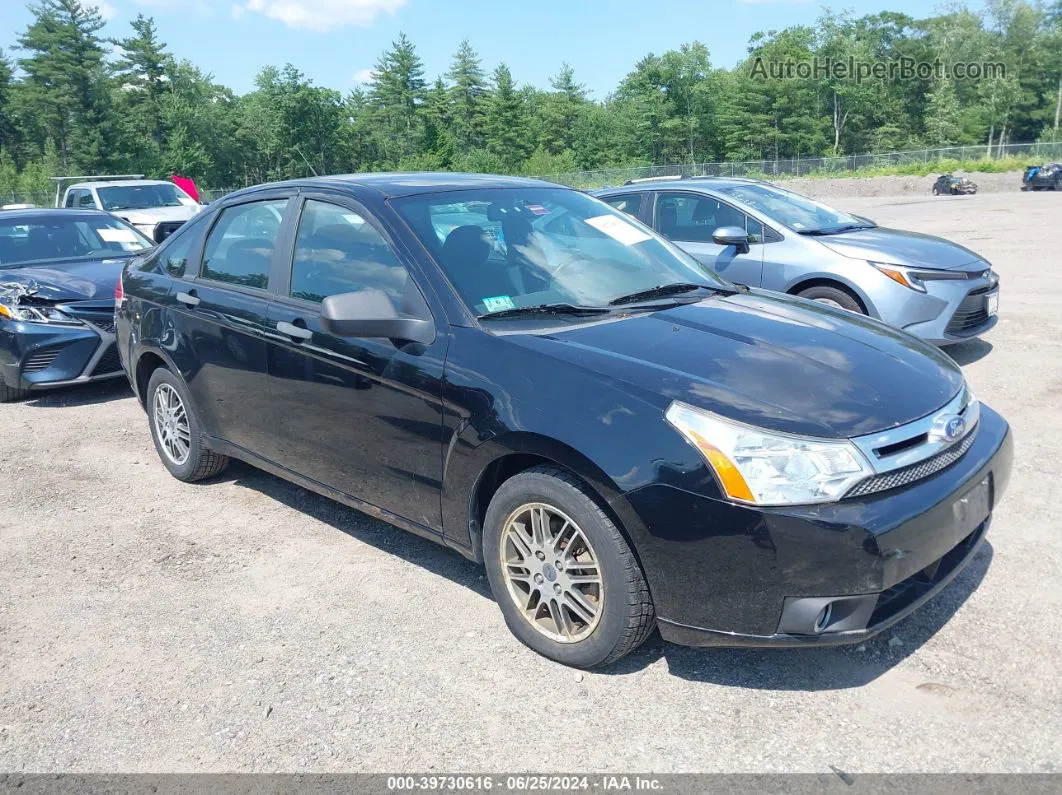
[551,572]
[171,424]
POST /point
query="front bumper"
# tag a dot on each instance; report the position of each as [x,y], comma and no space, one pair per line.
[723,574]
[950,311]
[40,356]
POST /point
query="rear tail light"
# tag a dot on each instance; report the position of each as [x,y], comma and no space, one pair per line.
[119,291]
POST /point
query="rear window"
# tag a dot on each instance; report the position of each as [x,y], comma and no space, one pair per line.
[239,249]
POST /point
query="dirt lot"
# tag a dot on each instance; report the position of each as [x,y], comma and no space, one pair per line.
[1004,182]
[248,625]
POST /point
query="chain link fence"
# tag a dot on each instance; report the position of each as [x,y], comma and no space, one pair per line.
[1035,153]
[807,166]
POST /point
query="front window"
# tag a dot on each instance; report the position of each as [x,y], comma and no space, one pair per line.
[797,212]
[515,248]
[142,197]
[25,241]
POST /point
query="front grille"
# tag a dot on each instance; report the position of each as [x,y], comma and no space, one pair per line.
[109,362]
[165,229]
[41,359]
[919,471]
[104,325]
[904,593]
[971,314]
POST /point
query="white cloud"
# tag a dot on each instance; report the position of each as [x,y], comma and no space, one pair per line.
[107,11]
[321,15]
[363,76]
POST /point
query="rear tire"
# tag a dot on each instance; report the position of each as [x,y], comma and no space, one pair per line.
[936,191]
[176,431]
[539,609]
[833,296]
[9,394]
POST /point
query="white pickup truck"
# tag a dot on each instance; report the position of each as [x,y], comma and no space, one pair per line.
[155,207]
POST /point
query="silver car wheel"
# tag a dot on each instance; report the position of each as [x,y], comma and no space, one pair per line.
[171,424]
[551,572]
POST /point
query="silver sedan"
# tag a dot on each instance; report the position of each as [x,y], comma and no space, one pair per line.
[758,234]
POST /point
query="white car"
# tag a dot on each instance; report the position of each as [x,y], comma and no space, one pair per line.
[155,207]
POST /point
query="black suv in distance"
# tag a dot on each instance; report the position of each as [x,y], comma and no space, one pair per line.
[522,373]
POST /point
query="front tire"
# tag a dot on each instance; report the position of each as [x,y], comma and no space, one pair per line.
[176,432]
[936,191]
[9,394]
[833,296]
[563,575]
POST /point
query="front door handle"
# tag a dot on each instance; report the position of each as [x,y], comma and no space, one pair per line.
[293,331]
[188,299]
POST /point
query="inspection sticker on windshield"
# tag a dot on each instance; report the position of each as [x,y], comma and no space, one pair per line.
[499,303]
[618,229]
[117,235]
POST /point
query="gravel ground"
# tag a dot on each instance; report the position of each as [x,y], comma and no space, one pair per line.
[248,625]
[1004,182]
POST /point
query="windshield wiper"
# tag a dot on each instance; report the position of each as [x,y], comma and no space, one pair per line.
[662,291]
[834,230]
[545,309]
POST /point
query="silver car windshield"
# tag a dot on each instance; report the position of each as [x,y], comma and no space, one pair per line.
[511,250]
[799,213]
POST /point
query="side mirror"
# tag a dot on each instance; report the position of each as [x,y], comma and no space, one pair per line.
[732,236]
[370,313]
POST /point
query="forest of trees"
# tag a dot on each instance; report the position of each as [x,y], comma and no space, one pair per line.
[75,102]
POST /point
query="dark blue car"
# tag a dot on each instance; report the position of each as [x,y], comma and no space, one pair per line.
[58,270]
[522,373]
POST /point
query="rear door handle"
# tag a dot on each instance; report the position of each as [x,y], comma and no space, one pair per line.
[293,331]
[188,299]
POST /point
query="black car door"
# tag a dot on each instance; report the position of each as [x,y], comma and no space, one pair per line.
[218,309]
[362,416]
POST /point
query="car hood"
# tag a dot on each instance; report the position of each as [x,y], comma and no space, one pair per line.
[899,247]
[768,360]
[157,215]
[83,280]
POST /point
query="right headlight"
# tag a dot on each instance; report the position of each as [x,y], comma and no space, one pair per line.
[37,313]
[762,467]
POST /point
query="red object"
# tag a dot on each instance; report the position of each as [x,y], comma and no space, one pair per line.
[185,184]
[119,291]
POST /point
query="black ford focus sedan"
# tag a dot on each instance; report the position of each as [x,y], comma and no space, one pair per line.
[519,372]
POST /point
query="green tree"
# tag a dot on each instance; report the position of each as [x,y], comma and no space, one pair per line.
[64,95]
[397,96]
[506,121]
[468,96]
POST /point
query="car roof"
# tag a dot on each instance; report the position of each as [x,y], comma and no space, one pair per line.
[118,183]
[682,184]
[51,213]
[395,184]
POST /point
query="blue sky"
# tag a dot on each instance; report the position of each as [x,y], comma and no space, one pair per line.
[336,42]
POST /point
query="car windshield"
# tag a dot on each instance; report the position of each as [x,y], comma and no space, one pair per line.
[141,197]
[513,249]
[797,212]
[24,241]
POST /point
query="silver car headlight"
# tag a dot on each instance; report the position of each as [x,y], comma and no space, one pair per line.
[916,278]
[760,467]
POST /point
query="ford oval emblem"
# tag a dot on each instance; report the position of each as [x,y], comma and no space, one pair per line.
[949,429]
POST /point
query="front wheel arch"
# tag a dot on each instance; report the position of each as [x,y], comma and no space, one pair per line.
[807,284]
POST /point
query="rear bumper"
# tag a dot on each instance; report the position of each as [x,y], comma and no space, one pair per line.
[729,575]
